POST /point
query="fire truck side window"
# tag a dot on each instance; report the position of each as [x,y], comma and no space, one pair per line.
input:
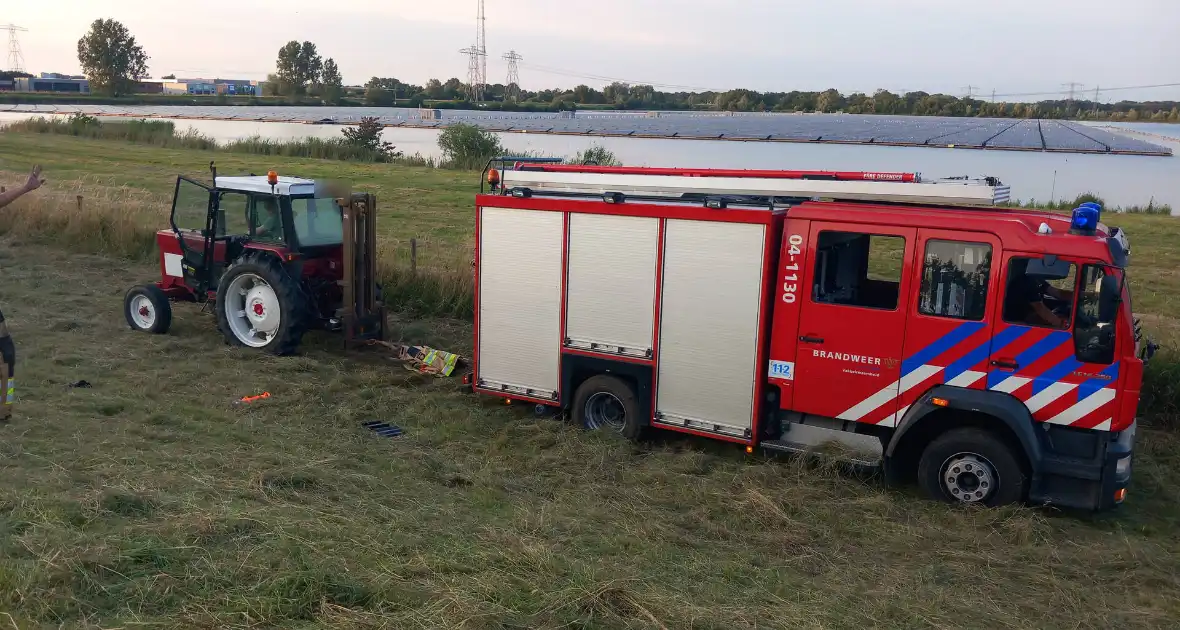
[857,269]
[1098,302]
[954,279]
[1039,292]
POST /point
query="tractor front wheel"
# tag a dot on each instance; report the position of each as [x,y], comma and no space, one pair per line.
[259,305]
[147,309]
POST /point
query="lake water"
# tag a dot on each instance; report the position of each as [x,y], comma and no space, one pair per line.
[1121,179]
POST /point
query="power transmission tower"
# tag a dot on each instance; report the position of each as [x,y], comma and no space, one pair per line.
[970,90]
[513,84]
[16,61]
[993,95]
[1072,87]
[474,62]
[477,58]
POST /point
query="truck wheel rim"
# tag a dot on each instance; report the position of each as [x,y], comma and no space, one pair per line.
[143,313]
[252,309]
[969,477]
[605,410]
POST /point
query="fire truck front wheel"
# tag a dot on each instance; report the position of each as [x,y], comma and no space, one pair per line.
[608,403]
[972,466]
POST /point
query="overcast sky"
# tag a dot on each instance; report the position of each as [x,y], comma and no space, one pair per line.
[1012,46]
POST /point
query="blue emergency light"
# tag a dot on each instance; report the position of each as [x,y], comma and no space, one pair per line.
[1085,218]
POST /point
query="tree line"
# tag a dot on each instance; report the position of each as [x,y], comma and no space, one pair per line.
[622,96]
[114,62]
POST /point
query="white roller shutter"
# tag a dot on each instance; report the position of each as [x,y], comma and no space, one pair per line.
[709,324]
[610,305]
[520,300]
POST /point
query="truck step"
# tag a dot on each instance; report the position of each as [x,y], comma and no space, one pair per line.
[856,448]
[782,446]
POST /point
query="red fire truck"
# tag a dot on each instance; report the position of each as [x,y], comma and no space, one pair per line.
[989,353]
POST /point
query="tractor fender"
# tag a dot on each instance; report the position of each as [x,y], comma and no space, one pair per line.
[1000,407]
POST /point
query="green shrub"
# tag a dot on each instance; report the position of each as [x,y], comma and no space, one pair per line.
[596,155]
[1066,206]
[367,136]
[468,147]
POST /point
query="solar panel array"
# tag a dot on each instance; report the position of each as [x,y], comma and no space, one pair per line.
[984,133]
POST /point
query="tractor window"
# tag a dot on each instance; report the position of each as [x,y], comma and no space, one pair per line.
[317,221]
[233,218]
[857,269]
[190,207]
[266,219]
[954,279]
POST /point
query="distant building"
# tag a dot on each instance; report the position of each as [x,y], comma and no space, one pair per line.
[149,87]
[53,82]
[236,87]
[230,87]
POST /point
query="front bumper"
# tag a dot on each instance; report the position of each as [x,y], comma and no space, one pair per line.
[1088,471]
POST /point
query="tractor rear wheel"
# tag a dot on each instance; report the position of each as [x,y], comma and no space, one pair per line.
[147,309]
[259,305]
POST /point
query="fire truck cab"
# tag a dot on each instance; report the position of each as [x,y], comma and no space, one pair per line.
[989,353]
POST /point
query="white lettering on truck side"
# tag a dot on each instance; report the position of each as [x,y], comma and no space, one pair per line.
[846,357]
[791,269]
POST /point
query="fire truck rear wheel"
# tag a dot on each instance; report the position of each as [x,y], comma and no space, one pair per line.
[147,309]
[608,403]
[972,466]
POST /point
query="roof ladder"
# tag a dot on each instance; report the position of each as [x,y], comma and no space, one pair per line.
[698,184]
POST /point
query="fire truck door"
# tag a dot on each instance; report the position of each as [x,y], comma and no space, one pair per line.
[852,320]
[949,334]
[1039,363]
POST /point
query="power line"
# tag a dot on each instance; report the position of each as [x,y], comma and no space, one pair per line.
[1129,87]
[971,90]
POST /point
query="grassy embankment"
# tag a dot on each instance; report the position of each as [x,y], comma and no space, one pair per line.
[126,190]
[149,500]
[162,133]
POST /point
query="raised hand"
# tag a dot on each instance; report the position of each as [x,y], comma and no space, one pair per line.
[35,180]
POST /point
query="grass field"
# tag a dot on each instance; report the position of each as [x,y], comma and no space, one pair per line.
[149,500]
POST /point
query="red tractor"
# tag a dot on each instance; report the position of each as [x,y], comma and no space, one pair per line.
[275,256]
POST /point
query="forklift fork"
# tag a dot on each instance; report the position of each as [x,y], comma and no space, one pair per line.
[363,318]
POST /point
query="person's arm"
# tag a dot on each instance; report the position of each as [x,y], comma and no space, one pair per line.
[1048,316]
[33,183]
[1064,295]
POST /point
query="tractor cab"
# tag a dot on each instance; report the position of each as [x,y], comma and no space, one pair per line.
[270,252]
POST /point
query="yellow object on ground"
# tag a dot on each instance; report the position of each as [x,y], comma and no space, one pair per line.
[425,360]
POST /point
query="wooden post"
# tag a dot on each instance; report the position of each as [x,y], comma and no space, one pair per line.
[413,257]
[79,200]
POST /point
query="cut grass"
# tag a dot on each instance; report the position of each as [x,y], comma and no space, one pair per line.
[150,500]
